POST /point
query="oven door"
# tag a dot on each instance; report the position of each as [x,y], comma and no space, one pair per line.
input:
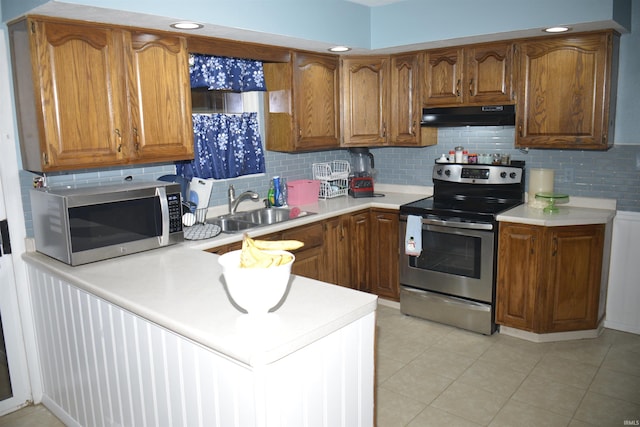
[457,259]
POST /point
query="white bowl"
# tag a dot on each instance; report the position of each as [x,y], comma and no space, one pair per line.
[256,290]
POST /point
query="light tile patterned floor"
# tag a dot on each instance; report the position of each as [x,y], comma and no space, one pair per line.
[435,375]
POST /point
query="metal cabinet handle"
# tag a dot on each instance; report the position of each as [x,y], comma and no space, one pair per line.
[471,87]
[119,135]
[135,134]
[533,245]
[555,246]
[458,88]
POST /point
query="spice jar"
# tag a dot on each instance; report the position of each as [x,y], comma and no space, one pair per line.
[473,158]
[465,156]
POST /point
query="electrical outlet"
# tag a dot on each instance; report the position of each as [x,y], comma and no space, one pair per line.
[566,175]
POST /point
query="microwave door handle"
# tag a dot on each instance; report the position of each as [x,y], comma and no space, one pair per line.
[161,192]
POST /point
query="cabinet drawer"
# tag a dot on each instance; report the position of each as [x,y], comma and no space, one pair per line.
[310,234]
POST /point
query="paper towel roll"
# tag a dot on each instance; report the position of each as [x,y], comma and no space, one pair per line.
[540,181]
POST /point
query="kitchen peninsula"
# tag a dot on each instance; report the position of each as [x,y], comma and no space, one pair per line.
[153,338]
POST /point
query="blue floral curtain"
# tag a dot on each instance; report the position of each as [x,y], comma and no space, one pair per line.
[226,146]
[221,73]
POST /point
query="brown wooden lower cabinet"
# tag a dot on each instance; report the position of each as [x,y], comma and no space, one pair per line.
[358,250]
[549,277]
[384,279]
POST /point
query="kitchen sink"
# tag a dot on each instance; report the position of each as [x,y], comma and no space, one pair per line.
[265,216]
[240,221]
[229,225]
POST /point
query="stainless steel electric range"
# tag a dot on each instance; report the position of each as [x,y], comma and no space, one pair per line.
[451,277]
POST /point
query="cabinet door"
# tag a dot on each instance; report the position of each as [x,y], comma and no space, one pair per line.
[384,251]
[365,100]
[160,96]
[519,254]
[406,111]
[489,73]
[309,258]
[564,92]
[336,265]
[575,269]
[443,77]
[302,105]
[316,100]
[360,254]
[80,91]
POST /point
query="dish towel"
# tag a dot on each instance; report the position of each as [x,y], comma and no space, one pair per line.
[413,238]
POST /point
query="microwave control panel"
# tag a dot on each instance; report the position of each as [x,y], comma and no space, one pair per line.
[175,212]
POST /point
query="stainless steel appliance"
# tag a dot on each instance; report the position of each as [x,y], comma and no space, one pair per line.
[87,224]
[453,279]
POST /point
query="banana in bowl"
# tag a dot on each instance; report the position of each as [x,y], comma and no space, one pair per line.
[256,278]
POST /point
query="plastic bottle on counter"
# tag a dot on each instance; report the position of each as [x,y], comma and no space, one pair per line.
[277,192]
[452,156]
[271,194]
[284,192]
[465,156]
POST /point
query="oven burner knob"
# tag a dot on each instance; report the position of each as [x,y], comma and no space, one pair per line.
[503,174]
[447,172]
[439,172]
[512,175]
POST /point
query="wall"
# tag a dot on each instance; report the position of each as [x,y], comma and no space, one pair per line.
[613,174]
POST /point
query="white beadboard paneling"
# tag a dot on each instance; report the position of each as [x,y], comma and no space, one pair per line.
[104,366]
[623,299]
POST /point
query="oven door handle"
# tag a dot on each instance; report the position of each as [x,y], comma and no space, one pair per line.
[455,224]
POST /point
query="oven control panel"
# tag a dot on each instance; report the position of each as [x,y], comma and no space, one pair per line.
[478,174]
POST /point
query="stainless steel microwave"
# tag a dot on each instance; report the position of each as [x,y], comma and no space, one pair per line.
[82,225]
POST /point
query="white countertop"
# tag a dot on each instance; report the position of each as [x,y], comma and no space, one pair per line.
[394,196]
[579,211]
[179,288]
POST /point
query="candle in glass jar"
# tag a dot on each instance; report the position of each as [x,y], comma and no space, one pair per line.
[540,181]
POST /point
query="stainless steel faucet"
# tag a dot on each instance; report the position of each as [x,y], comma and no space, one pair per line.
[234,202]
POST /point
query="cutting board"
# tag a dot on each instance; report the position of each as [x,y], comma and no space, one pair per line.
[202,188]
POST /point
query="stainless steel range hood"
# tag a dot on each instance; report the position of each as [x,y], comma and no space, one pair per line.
[482,115]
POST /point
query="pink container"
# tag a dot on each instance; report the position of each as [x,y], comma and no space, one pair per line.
[302,192]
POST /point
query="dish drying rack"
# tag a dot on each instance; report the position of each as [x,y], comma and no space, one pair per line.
[333,177]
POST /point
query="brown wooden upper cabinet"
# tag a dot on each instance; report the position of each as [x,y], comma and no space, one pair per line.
[469,75]
[365,100]
[566,91]
[303,103]
[95,96]
[381,101]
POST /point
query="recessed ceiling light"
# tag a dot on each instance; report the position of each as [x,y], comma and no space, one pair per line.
[186,25]
[339,49]
[556,29]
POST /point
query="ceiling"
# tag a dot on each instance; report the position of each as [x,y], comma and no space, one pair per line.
[374,3]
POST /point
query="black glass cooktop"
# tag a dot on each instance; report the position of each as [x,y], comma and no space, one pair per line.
[466,208]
